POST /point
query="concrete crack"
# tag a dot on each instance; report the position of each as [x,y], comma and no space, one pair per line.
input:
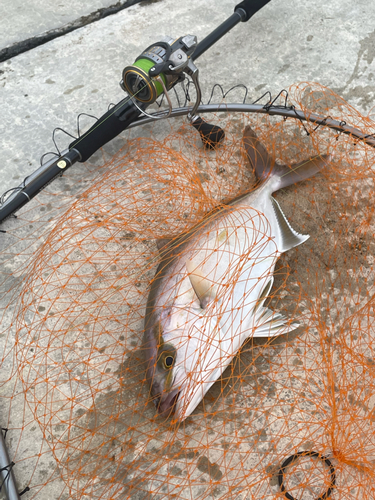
[30,43]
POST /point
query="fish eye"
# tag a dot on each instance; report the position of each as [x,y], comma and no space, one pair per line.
[168,361]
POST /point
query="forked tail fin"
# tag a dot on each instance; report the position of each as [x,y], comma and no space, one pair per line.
[266,168]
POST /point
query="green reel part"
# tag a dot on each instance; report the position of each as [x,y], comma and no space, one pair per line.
[139,85]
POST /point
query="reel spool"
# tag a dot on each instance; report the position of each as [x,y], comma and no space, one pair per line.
[166,59]
[135,78]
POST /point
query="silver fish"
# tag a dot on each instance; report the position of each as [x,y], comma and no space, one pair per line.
[209,291]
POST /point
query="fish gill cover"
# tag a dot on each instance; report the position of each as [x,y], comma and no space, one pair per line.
[80,415]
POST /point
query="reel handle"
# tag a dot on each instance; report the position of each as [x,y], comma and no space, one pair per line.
[211,135]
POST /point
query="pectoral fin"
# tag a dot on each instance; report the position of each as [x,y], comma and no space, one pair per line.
[203,288]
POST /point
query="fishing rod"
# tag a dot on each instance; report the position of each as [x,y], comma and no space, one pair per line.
[155,72]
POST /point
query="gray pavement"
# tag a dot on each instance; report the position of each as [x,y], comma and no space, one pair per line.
[21,22]
[48,86]
[286,42]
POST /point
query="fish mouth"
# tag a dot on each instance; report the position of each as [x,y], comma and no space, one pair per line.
[182,401]
[191,395]
[166,403]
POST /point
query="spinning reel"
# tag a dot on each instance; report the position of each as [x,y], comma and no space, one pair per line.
[159,68]
[166,61]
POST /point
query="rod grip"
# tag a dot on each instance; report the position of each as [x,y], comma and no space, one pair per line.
[251,7]
[109,126]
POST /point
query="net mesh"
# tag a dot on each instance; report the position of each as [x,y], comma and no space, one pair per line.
[77,267]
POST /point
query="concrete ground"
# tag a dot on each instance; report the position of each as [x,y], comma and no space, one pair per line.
[48,86]
[332,43]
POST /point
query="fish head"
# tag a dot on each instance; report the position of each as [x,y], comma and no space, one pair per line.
[186,363]
[162,357]
[163,389]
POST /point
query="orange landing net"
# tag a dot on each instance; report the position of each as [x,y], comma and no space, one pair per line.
[77,264]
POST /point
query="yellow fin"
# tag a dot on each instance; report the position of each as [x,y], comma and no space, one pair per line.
[203,288]
[223,236]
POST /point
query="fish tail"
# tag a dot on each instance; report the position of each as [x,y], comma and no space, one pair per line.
[266,168]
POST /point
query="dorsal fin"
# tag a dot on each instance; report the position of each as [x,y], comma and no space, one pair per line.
[289,237]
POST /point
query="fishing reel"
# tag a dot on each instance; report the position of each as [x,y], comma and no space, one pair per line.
[161,66]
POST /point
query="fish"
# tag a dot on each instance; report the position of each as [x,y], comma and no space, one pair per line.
[210,288]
